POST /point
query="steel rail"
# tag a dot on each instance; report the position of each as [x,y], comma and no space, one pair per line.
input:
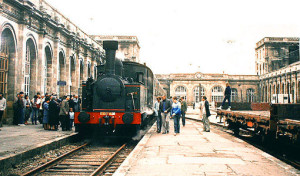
[53,162]
[102,166]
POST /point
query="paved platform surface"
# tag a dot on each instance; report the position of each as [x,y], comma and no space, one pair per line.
[16,139]
[194,152]
[21,142]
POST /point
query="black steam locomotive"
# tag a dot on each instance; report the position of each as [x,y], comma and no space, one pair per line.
[120,99]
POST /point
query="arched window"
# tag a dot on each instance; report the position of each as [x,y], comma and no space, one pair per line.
[180,91]
[283,88]
[95,72]
[234,95]
[217,94]
[7,67]
[196,94]
[293,92]
[266,93]
[30,68]
[250,95]
[89,70]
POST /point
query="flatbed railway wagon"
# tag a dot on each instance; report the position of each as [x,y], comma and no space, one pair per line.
[276,122]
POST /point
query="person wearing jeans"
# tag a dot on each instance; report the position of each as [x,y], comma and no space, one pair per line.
[176,112]
[157,114]
[165,109]
[183,110]
[35,109]
[206,114]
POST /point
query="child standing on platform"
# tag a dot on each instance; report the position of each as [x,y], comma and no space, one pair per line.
[71,114]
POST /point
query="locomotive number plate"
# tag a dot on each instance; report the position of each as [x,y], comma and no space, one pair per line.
[107,113]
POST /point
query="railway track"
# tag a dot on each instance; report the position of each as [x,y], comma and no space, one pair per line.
[252,141]
[84,160]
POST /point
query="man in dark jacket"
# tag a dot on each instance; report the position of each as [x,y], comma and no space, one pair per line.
[64,114]
[206,114]
[53,114]
[71,102]
[183,109]
[165,109]
[227,95]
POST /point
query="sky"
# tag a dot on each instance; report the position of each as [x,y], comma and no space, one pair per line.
[176,36]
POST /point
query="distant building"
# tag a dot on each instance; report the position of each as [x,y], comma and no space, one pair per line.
[273,53]
[277,63]
[245,88]
[129,47]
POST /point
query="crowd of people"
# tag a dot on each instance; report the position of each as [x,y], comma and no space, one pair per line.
[47,109]
[166,109]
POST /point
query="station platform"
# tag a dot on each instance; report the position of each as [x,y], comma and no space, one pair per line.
[22,142]
[194,152]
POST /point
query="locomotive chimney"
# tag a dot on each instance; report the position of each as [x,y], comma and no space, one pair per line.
[110,50]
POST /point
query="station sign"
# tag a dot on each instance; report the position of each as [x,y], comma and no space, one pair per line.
[61,83]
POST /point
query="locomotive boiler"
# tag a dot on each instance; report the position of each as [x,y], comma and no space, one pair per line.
[120,100]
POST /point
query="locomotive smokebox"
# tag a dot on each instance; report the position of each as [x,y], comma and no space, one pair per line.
[110,50]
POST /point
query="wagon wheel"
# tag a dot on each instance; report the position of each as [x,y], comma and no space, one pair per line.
[236,130]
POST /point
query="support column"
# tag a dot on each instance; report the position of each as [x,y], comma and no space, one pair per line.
[40,63]
[54,70]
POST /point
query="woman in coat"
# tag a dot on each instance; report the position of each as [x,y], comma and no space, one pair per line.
[53,114]
[46,114]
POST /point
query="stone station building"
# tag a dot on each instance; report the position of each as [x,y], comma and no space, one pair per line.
[277,67]
[43,51]
[244,87]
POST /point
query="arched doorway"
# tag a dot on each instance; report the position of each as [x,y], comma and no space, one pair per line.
[217,94]
[234,95]
[95,72]
[196,94]
[89,70]
[250,95]
[30,75]
[61,76]
[48,70]
[180,91]
[7,72]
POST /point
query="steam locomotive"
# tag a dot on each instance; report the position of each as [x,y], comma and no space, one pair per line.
[120,100]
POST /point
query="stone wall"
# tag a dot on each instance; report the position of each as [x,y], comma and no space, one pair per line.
[38,32]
